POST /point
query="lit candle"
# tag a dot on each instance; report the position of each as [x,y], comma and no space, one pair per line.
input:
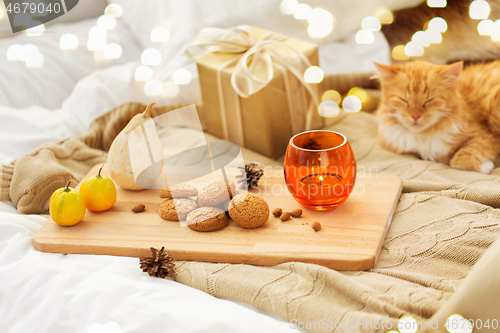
[320,169]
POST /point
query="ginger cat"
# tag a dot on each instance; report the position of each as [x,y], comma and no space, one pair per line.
[442,113]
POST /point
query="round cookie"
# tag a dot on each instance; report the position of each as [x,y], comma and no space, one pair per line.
[207,219]
[176,209]
[179,191]
[215,192]
[249,210]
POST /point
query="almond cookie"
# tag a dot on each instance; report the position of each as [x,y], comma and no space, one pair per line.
[207,219]
[215,192]
[176,209]
[249,210]
[179,191]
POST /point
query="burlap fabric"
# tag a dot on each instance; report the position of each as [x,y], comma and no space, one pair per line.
[444,222]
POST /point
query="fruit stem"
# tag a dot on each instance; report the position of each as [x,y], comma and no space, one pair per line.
[147,112]
[99,173]
[67,187]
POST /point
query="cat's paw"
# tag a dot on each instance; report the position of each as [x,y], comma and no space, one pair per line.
[465,161]
[487,167]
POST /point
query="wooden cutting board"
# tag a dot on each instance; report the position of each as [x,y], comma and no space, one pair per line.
[351,236]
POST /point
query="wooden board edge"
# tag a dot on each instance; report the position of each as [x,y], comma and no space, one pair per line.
[389,220]
[364,262]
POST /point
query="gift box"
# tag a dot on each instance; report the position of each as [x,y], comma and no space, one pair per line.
[253,89]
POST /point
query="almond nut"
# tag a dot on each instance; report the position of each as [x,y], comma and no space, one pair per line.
[316,226]
[285,216]
[139,208]
[277,212]
[296,212]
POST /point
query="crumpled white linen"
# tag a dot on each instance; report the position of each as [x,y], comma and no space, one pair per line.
[49,85]
[46,292]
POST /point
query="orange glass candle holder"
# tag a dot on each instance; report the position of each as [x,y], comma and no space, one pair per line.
[320,169]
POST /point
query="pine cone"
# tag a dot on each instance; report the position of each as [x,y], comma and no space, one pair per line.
[251,175]
[160,264]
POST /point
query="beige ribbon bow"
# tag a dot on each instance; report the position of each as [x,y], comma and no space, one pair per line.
[255,68]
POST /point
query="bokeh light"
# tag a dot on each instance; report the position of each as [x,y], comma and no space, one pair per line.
[153,88]
[398,53]
[159,34]
[495,31]
[407,324]
[359,93]
[479,10]
[302,11]
[182,76]
[320,16]
[436,3]
[151,57]
[288,6]
[22,19]
[15,52]
[331,95]
[433,36]
[170,89]
[365,37]
[96,44]
[385,16]
[351,104]
[321,23]
[143,73]
[438,24]
[113,10]
[97,33]
[314,74]
[329,109]
[35,30]
[421,38]
[106,21]
[371,23]
[458,324]
[112,51]
[34,60]
[1,13]
[68,41]
[319,31]
[110,327]
[413,49]
[486,27]
[28,51]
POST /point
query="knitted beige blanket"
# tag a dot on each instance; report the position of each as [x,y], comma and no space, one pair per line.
[444,222]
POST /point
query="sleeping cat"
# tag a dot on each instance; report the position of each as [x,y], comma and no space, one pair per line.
[442,113]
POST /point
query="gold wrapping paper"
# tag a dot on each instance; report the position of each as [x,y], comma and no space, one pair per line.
[264,121]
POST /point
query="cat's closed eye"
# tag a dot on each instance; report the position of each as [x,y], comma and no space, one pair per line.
[428,101]
[404,100]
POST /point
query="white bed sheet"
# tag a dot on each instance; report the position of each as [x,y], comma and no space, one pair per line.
[47,292]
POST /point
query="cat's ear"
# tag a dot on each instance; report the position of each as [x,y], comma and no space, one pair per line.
[385,72]
[452,72]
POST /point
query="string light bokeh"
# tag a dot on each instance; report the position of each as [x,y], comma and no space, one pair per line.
[68,42]
[320,23]
[106,47]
